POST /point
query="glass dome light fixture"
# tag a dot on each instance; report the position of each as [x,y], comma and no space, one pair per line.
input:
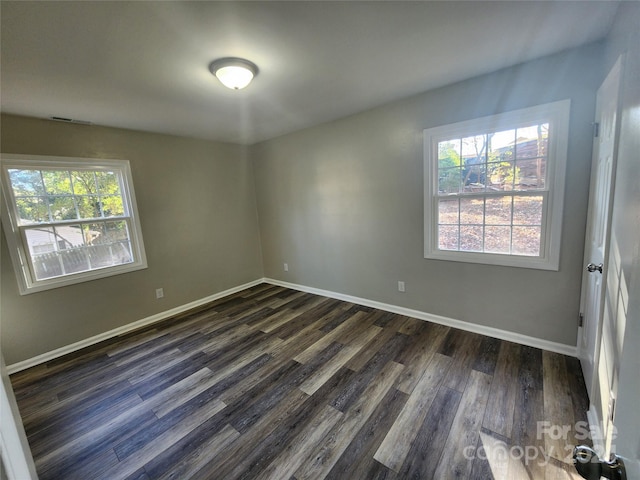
[234,73]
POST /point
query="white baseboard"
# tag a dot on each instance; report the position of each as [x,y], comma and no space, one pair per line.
[570,350]
[449,322]
[59,352]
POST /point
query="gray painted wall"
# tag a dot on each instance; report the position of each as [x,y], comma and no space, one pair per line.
[342,203]
[196,201]
[625,228]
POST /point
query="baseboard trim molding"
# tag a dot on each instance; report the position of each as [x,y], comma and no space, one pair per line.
[542,344]
[59,352]
[569,350]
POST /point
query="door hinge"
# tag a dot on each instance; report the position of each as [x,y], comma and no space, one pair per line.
[580,319]
[596,129]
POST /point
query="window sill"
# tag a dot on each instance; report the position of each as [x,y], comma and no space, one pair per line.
[74,279]
[517,261]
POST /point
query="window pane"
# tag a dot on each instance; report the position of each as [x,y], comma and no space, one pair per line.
[532,141]
[26,182]
[47,265]
[107,183]
[471,238]
[472,211]
[57,182]
[74,260]
[500,176]
[109,255]
[109,244]
[530,173]
[89,207]
[52,251]
[32,210]
[112,206]
[448,237]
[448,211]
[117,231]
[94,233]
[498,211]
[474,149]
[527,210]
[449,180]
[69,236]
[500,158]
[474,158]
[497,239]
[474,178]
[43,245]
[449,154]
[84,183]
[99,256]
[62,208]
[118,234]
[526,241]
[41,240]
[501,146]
[122,253]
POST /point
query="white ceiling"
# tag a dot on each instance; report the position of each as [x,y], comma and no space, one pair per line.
[144,65]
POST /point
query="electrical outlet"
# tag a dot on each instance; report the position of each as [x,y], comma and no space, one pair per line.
[286,267]
[401,286]
[159,292]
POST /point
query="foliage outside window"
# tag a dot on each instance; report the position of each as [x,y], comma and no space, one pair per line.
[494,188]
[69,220]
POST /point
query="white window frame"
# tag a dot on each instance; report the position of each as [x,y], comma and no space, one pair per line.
[557,115]
[16,240]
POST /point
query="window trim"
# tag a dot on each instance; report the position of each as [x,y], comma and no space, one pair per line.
[557,114]
[14,234]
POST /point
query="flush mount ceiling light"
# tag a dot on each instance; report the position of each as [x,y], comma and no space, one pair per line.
[234,73]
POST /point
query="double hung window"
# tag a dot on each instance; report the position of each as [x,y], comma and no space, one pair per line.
[494,188]
[69,220]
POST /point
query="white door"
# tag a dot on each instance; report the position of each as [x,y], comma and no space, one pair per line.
[594,336]
[14,447]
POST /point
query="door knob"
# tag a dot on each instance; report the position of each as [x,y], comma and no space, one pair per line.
[592,267]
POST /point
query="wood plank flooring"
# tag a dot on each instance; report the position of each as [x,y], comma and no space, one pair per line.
[272,383]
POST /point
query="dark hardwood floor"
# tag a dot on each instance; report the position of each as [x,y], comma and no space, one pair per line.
[272,383]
